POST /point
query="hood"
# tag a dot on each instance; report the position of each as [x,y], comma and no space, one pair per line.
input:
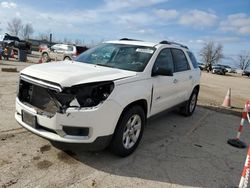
[68,73]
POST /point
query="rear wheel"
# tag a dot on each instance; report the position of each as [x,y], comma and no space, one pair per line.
[128,132]
[66,58]
[189,107]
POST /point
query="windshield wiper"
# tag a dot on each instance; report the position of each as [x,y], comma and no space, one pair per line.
[104,65]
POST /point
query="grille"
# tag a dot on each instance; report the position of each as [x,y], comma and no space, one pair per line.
[37,96]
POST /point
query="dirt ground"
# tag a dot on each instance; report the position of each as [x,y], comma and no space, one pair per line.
[175,151]
[214,88]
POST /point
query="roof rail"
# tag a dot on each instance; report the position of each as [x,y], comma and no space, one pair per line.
[174,43]
[165,42]
[130,39]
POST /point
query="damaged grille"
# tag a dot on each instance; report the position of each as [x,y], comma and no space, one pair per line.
[38,97]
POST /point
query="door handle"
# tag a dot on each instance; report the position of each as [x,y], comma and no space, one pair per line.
[190,77]
[175,81]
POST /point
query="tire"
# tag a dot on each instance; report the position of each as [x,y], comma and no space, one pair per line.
[190,105]
[66,58]
[46,57]
[128,131]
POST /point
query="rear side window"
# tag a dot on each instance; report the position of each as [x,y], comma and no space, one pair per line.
[70,48]
[55,47]
[180,60]
[193,59]
[164,60]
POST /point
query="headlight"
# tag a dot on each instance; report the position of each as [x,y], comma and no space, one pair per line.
[86,95]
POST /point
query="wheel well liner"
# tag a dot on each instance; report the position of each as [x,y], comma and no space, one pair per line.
[197,87]
[142,103]
[66,57]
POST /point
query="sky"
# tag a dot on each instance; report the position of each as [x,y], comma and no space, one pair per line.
[192,22]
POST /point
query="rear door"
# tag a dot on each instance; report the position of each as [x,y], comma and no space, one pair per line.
[62,48]
[183,75]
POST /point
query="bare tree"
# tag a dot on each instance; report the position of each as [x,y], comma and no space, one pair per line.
[43,36]
[27,30]
[67,41]
[211,54]
[15,26]
[244,60]
[78,42]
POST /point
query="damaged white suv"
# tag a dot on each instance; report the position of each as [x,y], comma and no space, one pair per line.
[105,96]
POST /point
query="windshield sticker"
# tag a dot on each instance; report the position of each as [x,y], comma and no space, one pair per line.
[145,50]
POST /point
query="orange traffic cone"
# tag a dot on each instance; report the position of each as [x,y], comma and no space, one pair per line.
[227,100]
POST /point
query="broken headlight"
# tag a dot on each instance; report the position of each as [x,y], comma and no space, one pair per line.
[85,95]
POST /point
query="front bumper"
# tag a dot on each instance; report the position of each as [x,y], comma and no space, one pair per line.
[100,121]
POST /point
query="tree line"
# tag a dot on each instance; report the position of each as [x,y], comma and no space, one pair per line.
[25,31]
[17,28]
[211,54]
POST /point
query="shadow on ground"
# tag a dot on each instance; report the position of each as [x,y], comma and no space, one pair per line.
[176,150]
[232,111]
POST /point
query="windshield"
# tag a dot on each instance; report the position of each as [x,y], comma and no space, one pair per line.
[121,56]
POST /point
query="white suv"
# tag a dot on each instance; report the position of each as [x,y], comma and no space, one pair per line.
[59,52]
[106,96]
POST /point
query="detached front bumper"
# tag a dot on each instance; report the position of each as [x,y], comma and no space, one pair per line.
[100,121]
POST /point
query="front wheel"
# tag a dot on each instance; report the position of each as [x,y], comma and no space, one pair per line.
[189,107]
[128,132]
[45,56]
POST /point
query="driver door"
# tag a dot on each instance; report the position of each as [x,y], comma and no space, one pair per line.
[165,88]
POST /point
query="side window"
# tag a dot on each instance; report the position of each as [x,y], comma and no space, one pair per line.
[180,60]
[70,48]
[54,47]
[193,59]
[63,47]
[164,60]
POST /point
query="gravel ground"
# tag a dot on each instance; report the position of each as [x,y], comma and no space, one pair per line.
[214,88]
[175,151]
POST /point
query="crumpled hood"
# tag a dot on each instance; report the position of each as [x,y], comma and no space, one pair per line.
[68,73]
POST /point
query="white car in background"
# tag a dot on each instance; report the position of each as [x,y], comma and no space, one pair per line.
[59,52]
[107,94]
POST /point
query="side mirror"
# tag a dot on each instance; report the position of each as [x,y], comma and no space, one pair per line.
[160,71]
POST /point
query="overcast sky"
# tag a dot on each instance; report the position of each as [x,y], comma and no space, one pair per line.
[192,22]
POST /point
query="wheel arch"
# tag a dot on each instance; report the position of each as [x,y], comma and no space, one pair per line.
[197,87]
[45,53]
[141,102]
[65,57]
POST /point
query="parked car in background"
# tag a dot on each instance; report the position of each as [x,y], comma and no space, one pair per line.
[80,49]
[201,66]
[9,41]
[217,69]
[59,52]
[228,68]
[246,73]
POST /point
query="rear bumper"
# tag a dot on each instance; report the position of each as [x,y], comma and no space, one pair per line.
[100,121]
